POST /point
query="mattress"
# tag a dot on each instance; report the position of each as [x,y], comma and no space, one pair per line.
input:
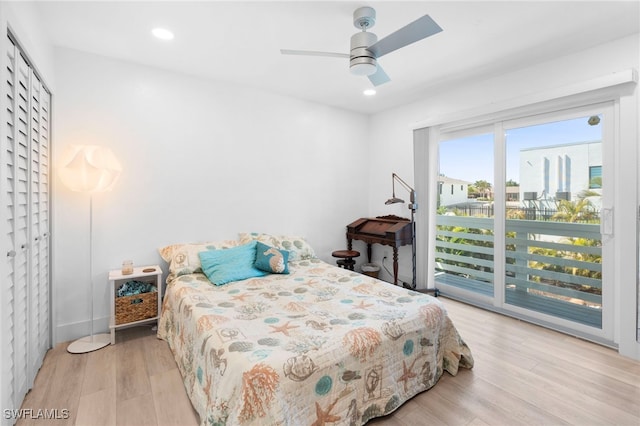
[316,346]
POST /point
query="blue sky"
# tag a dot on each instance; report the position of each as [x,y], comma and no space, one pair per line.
[471,158]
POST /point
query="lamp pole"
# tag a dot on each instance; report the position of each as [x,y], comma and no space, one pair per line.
[413,206]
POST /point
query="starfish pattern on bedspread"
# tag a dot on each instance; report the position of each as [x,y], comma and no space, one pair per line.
[324,417]
[407,373]
[240,297]
[363,305]
[284,329]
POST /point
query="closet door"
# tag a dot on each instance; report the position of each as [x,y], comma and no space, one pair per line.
[18,216]
[24,196]
[39,226]
[7,198]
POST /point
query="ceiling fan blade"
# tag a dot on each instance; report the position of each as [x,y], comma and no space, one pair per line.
[313,53]
[379,77]
[415,31]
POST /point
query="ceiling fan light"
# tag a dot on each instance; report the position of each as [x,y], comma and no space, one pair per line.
[363,69]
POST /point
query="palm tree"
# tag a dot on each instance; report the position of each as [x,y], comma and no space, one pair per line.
[484,187]
[575,211]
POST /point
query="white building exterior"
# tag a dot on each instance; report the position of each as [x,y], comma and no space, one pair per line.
[560,171]
[452,191]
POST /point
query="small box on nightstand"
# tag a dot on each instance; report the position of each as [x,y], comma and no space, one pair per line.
[133,309]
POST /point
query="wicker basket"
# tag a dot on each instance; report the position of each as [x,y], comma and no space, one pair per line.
[136,307]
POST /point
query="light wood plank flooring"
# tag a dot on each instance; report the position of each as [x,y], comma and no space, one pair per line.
[523,375]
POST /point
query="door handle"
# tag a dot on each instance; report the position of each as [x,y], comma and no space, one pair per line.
[606,221]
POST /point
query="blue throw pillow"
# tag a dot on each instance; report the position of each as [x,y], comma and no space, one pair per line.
[271,259]
[233,264]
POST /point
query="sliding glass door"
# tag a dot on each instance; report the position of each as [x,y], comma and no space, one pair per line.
[465,214]
[524,218]
[553,247]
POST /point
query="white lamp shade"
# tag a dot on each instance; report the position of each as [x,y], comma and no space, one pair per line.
[89,168]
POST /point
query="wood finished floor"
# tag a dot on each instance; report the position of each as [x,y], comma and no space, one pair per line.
[523,375]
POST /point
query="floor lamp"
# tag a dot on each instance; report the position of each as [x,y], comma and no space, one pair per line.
[89,169]
[412,206]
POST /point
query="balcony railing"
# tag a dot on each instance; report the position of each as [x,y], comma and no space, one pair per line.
[551,267]
[529,213]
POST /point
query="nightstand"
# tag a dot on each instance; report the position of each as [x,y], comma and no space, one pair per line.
[127,311]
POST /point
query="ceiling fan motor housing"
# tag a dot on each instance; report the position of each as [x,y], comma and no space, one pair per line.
[362,61]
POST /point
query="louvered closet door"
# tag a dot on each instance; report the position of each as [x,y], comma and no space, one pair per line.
[25,198]
[39,230]
[21,230]
[8,214]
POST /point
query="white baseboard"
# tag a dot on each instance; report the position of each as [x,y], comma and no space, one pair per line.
[76,330]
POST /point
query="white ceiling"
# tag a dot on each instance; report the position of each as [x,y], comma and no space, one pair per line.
[240,42]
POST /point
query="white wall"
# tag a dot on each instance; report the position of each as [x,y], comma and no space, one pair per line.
[202,161]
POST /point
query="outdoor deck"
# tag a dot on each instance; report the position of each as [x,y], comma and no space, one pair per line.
[552,267]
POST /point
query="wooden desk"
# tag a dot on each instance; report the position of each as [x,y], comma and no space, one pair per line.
[390,230]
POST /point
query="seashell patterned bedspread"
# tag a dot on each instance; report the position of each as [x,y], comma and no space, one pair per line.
[322,345]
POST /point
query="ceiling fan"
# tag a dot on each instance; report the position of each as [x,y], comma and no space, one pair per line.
[366,48]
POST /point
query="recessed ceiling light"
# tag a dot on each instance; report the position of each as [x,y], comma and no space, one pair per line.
[162,34]
[369,92]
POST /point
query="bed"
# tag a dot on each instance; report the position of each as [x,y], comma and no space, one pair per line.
[313,346]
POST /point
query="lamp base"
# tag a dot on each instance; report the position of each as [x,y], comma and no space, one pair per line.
[435,291]
[408,286]
[89,343]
